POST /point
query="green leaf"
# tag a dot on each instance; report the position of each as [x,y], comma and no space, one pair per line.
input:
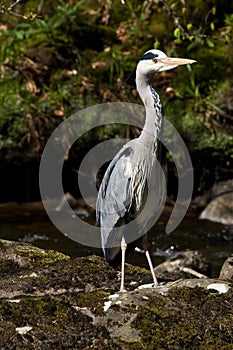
[212,26]
[178,41]
[177,33]
[156,44]
[227,38]
[210,43]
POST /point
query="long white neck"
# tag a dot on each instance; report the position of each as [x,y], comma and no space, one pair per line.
[153,109]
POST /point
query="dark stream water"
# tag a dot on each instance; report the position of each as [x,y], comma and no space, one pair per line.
[29,223]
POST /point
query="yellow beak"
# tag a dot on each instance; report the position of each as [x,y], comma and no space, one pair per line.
[170,61]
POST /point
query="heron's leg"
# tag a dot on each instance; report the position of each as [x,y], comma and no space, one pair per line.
[123,250]
[151,268]
[145,245]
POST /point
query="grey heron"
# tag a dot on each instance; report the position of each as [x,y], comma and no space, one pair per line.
[124,188]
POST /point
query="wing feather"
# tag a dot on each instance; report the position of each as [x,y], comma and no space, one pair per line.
[114,199]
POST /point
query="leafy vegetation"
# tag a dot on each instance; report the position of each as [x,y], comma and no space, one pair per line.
[59,59]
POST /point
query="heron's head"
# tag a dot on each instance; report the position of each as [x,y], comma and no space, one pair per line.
[157,61]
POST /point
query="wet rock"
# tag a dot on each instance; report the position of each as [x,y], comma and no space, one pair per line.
[67,197]
[15,255]
[221,187]
[213,284]
[226,272]
[80,207]
[183,265]
[220,207]
[199,202]
[50,301]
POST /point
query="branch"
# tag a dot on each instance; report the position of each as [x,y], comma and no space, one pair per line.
[14,4]
[9,9]
[174,17]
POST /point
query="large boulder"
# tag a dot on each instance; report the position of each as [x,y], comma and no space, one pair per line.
[49,301]
[220,206]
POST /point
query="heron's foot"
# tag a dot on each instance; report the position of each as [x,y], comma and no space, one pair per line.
[122,290]
[155,284]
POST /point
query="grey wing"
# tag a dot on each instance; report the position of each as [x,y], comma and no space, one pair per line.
[156,192]
[114,200]
[129,188]
[155,200]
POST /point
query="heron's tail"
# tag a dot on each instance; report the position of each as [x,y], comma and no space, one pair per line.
[111,254]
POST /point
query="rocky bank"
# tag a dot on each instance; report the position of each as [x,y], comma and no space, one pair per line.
[49,301]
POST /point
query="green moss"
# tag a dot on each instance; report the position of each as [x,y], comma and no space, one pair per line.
[55,324]
[46,257]
[4,244]
[189,318]
[93,301]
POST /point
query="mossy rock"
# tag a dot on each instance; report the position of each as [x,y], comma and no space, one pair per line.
[27,256]
[58,303]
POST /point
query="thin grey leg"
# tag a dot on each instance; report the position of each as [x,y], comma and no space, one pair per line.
[123,250]
[151,268]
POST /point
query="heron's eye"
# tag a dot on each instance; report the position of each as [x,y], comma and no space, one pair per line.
[154,60]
